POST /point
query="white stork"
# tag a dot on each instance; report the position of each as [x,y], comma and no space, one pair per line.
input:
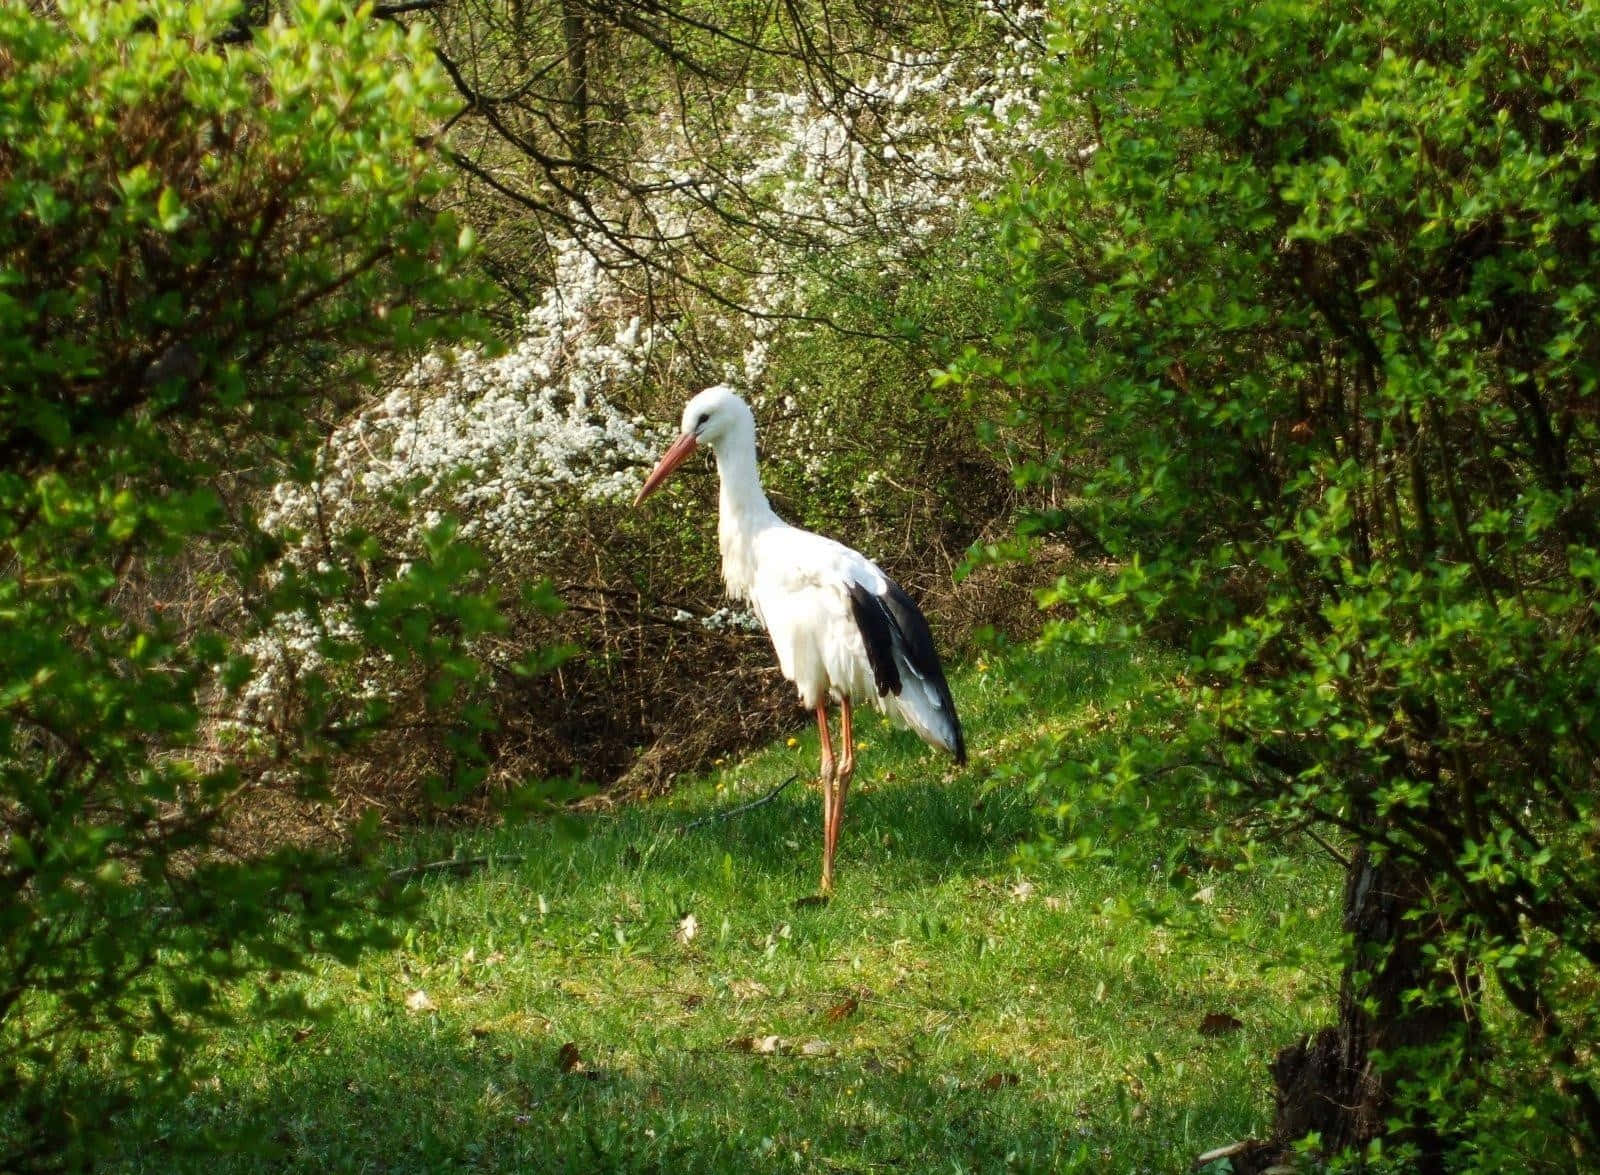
[842,629]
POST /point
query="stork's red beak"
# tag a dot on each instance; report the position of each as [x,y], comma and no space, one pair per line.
[670,460]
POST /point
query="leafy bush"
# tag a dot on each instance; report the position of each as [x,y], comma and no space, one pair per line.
[1305,310]
[202,249]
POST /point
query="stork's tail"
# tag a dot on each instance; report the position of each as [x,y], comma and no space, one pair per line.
[925,705]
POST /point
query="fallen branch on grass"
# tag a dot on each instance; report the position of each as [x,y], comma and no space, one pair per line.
[453,864]
[726,813]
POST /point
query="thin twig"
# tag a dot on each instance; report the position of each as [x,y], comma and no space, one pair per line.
[729,812]
[460,864]
[1343,860]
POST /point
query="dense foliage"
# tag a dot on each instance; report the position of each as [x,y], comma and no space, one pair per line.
[1309,323]
[202,249]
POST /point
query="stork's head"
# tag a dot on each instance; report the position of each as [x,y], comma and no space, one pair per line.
[716,418]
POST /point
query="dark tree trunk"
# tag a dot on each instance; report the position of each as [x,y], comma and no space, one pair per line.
[1329,1082]
[575,32]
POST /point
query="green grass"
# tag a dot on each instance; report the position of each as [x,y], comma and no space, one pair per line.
[945,1012]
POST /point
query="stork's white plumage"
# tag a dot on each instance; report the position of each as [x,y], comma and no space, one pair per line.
[842,629]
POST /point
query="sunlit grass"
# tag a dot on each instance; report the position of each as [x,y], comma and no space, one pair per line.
[947,1011]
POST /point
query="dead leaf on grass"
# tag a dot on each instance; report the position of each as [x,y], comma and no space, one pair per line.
[688,927]
[1217,1023]
[816,1048]
[747,989]
[418,1001]
[843,1009]
[998,1080]
[569,1059]
[301,1034]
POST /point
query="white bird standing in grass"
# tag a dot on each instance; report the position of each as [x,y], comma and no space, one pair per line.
[842,629]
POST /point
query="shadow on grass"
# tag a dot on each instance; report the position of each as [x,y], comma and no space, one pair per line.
[914,832]
[412,1098]
[911,814]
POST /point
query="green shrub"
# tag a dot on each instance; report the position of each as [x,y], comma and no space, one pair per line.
[1307,313]
[202,247]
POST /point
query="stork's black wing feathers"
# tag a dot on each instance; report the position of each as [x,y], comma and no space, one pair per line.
[916,642]
[892,624]
[916,646]
[877,627]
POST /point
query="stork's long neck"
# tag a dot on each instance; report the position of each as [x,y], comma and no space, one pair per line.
[744,512]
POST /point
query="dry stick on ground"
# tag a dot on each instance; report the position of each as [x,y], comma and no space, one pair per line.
[457,864]
[729,812]
[462,864]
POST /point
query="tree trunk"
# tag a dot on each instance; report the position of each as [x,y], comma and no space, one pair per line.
[575,32]
[1331,1082]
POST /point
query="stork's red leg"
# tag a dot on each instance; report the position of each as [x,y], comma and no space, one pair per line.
[847,768]
[827,797]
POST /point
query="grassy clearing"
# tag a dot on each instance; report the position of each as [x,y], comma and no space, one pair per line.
[945,1012]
